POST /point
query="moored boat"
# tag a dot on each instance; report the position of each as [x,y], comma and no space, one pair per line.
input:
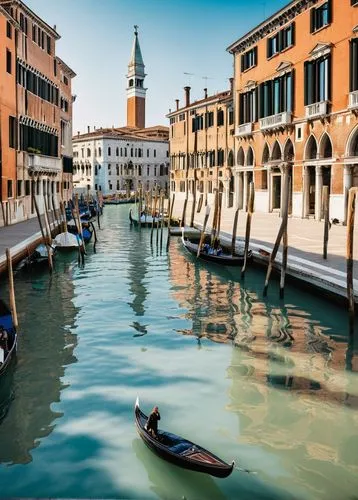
[209,254]
[180,451]
[66,241]
[146,220]
[40,255]
[8,337]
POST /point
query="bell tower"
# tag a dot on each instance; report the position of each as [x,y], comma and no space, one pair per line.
[135,86]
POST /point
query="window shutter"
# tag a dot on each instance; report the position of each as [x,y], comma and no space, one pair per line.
[280,40]
[313,16]
[255,56]
[306,83]
[256,99]
[293,90]
[268,48]
[242,63]
[351,65]
[329,77]
[261,100]
[293,33]
[329,11]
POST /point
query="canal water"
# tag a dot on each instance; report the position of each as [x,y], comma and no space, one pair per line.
[268,383]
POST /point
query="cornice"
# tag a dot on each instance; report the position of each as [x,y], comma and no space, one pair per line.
[280,18]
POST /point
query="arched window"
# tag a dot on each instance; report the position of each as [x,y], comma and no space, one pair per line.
[326,150]
[311,148]
[117,151]
[265,154]
[353,144]
[109,151]
[276,152]
[289,152]
[230,159]
[88,152]
[250,157]
[241,157]
[131,151]
[131,82]
[99,151]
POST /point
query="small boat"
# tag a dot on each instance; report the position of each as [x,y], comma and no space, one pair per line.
[7,344]
[66,241]
[180,451]
[87,229]
[225,258]
[40,255]
[146,220]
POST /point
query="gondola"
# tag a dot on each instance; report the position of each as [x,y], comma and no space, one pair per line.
[180,451]
[8,337]
[224,259]
[87,229]
[40,255]
[146,220]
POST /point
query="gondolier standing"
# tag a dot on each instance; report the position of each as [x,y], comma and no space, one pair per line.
[152,422]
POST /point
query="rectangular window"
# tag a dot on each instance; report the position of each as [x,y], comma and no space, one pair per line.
[277,96]
[8,61]
[248,107]
[19,188]
[353,64]
[27,188]
[317,80]
[9,189]
[249,59]
[220,118]
[209,119]
[147,153]
[48,45]
[321,16]
[281,41]
[231,116]
[12,132]
[8,30]
[34,33]
[155,153]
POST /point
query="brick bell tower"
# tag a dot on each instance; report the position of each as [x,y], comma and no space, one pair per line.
[135,86]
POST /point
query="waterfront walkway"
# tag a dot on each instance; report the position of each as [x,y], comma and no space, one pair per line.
[305,245]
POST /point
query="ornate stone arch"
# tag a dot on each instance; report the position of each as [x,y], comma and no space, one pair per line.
[266,154]
[276,154]
[311,148]
[352,143]
[230,158]
[325,147]
[250,157]
[241,157]
[288,151]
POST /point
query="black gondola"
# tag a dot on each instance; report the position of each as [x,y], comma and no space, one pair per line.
[8,337]
[180,451]
[224,259]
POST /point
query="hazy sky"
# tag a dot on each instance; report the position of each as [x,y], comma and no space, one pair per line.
[176,36]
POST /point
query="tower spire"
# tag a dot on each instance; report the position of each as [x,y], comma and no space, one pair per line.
[135,89]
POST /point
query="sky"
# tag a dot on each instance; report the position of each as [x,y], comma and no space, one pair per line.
[176,37]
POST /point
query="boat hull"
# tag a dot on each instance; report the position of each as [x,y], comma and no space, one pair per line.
[223,260]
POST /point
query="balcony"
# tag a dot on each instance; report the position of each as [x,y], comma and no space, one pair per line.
[44,164]
[317,109]
[353,100]
[276,121]
[242,130]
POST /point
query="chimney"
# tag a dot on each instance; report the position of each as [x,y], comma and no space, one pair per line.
[54,27]
[78,133]
[231,80]
[187,96]
[94,128]
[88,129]
[177,103]
[205,93]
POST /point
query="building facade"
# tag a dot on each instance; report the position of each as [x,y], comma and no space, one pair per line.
[296,103]
[41,83]
[116,161]
[120,160]
[202,146]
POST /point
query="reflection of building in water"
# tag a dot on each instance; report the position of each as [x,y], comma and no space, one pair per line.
[137,270]
[222,310]
[46,346]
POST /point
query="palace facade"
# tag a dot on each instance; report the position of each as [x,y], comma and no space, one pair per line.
[37,122]
[295,100]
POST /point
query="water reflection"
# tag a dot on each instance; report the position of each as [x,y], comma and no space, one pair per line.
[46,345]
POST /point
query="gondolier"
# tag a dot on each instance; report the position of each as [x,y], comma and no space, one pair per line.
[152,422]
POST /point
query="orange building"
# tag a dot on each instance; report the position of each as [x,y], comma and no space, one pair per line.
[8,134]
[296,103]
[42,83]
[202,146]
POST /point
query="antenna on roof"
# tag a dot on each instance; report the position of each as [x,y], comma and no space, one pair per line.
[189,74]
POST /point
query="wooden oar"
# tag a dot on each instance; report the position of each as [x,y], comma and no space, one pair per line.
[202,236]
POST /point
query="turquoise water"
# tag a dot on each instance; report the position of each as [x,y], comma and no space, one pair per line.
[269,383]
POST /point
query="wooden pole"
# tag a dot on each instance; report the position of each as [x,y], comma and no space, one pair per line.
[280,235]
[80,232]
[11,289]
[170,219]
[350,239]
[47,222]
[234,231]
[213,229]
[139,208]
[162,223]
[218,225]
[63,213]
[202,235]
[200,203]
[326,219]
[153,216]
[49,254]
[250,209]
[184,212]
[286,201]
[55,212]
[193,207]
[159,207]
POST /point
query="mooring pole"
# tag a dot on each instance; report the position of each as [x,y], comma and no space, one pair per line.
[46,242]
[286,201]
[11,289]
[250,209]
[170,218]
[193,206]
[326,219]
[234,231]
[350,234]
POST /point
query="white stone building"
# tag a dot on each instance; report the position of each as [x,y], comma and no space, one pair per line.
[115,160]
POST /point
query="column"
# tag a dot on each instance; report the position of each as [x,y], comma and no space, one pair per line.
[240,187]
[245,192]
[347,184]
[306,193]
[318,193]
[269,189]
[226,183]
